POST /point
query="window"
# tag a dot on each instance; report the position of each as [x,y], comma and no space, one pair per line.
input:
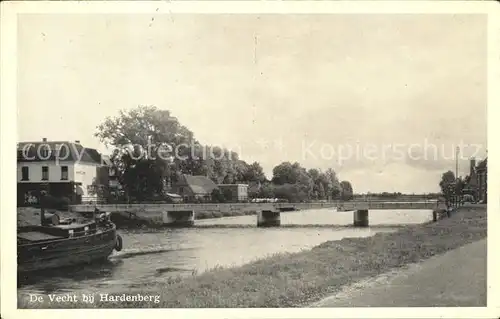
[45,173]
[25,173]
[64,173]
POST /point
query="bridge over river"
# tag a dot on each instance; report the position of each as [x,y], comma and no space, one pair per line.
[268,214]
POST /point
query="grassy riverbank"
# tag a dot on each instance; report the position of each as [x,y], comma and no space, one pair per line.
[297,279]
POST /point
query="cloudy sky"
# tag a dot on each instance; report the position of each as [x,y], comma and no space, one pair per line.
[382,99]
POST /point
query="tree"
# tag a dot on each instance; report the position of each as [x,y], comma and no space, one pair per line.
[321,191]
[346,190]
[285,173]
[221,164]
[333,188]
[446,179]
[291,193]
[153,150]
[254,173]
[459,185]
[266,191]
[321,184]
[142,126]
[447,185]
[144,139]
[288,173]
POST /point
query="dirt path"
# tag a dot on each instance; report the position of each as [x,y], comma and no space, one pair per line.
[454,279]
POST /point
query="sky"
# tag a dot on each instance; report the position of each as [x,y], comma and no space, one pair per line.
[384,100]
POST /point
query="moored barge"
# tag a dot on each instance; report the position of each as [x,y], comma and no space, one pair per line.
[59,243]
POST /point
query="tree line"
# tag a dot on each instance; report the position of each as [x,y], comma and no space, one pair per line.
[452,186]
[152,149]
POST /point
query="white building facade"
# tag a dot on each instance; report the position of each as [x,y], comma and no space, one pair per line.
[62,169]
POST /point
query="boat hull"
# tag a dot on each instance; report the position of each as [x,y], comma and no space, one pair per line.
[66,252]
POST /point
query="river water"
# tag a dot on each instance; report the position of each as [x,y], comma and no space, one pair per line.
[152,257]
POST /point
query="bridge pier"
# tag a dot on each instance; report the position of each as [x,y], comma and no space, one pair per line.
[361,218]
[178,218]
[268,218]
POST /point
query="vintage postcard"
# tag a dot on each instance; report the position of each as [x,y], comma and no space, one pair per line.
[239,159]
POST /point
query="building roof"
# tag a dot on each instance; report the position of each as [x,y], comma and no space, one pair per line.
[199,184]
[61,150]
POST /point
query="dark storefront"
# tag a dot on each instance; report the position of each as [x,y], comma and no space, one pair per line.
[29,193]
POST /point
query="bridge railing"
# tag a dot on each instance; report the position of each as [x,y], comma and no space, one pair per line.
[340,205]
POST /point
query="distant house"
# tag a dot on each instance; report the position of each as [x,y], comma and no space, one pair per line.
[193,188]
[238,192]
[477,183]
[62,169]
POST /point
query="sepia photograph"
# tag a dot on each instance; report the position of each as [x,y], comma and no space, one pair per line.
[174,158]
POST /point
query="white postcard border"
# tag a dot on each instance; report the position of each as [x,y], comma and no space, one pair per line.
[9,12]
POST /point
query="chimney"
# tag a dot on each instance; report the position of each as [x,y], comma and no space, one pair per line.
[472,166]
[44,139]
[77,141]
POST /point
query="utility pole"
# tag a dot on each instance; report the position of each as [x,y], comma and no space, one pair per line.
[456,162]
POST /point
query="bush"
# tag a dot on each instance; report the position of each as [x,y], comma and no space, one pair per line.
[291,193]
